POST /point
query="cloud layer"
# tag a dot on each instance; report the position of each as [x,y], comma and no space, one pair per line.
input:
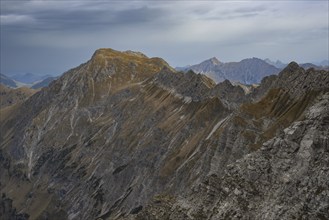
[52,36]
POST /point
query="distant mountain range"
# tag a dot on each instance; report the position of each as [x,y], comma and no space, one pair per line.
[319,65]
[27,80]
[324,63]
[247,71]
[5,80]
[277,64]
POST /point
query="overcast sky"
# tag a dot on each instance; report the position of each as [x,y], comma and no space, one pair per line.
[50,37]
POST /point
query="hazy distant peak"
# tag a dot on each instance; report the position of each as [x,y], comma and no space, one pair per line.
[324,63]
[210,62]
[277,63]
[214,61]
[253,59]
[247,71]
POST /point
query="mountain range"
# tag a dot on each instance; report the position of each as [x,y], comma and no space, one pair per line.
[27,80]
[324,64]
[247,71]
[5,80]
[125,136]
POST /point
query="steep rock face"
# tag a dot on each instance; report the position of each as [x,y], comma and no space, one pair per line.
[122,129]
[286,179]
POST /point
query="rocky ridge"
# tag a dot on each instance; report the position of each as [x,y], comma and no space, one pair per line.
[123,129]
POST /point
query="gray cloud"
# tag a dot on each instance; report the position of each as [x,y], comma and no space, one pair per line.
[65,33]
[259,8]
[62,18]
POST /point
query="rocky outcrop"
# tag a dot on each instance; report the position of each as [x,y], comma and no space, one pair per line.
[122,130]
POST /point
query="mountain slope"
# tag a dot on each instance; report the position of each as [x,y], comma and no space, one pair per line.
[122,129]
[9,96]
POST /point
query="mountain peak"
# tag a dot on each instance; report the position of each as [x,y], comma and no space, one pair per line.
[112,69]
[106,57]
[292,66]
[214,61]
[110,53]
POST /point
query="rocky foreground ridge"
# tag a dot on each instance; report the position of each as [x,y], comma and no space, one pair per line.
[124,136]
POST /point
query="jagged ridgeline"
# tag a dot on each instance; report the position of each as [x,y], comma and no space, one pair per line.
[124,136]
